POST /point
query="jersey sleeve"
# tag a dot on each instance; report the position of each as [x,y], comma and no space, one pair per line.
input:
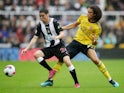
[80,18]
[38,30]
[99,30]
[57,26]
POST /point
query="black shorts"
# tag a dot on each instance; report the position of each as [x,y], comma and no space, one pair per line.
[75,47]
[59,51]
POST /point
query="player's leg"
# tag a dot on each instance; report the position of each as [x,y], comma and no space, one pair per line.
[56,68]
[39,57]
[71,68]
[93,56]
[73,50]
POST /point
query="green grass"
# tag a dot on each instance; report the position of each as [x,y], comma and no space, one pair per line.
[29,75]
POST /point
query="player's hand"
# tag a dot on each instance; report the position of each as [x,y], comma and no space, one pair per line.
[53,37]
[94,40]
[24,51]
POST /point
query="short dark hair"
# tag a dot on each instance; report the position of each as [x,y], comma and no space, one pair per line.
[97,11]
[44,10]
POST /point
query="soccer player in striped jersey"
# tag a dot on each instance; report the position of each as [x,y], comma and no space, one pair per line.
[52,33]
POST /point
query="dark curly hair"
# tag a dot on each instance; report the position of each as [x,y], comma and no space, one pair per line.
[97,11]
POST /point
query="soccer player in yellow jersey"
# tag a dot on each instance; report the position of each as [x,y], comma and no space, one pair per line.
[85,40]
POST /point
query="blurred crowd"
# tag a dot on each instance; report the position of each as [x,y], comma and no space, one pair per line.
[18,29]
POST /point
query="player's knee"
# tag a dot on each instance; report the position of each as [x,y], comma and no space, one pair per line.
[38,54]
[67,61]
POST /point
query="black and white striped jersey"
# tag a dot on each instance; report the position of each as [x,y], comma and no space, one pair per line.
[47,30]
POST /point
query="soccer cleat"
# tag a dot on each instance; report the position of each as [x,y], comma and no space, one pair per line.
[77,85]
[47,83]
[51,73]
[114,83]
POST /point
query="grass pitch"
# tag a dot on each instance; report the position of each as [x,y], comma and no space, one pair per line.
[29,75]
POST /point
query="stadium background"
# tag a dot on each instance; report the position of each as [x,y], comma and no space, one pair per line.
[19,17]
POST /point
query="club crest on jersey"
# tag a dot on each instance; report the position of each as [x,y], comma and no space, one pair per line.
[35,31]
[91,28]
[59,27]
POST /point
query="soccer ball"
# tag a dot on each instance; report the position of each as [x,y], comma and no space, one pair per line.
[9,70]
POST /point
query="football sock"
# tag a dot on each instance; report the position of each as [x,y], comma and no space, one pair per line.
[104,70]
[43,63]
[73,73]
[58,66]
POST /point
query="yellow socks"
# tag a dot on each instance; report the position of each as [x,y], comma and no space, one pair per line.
[104,70]
[58,66]
[100,66]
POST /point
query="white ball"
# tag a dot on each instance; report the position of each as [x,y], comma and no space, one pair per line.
[9,70]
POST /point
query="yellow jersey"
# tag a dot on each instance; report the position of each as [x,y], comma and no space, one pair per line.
[86,30]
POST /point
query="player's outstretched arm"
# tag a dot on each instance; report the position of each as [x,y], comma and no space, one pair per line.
[70,26]
[32,42]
